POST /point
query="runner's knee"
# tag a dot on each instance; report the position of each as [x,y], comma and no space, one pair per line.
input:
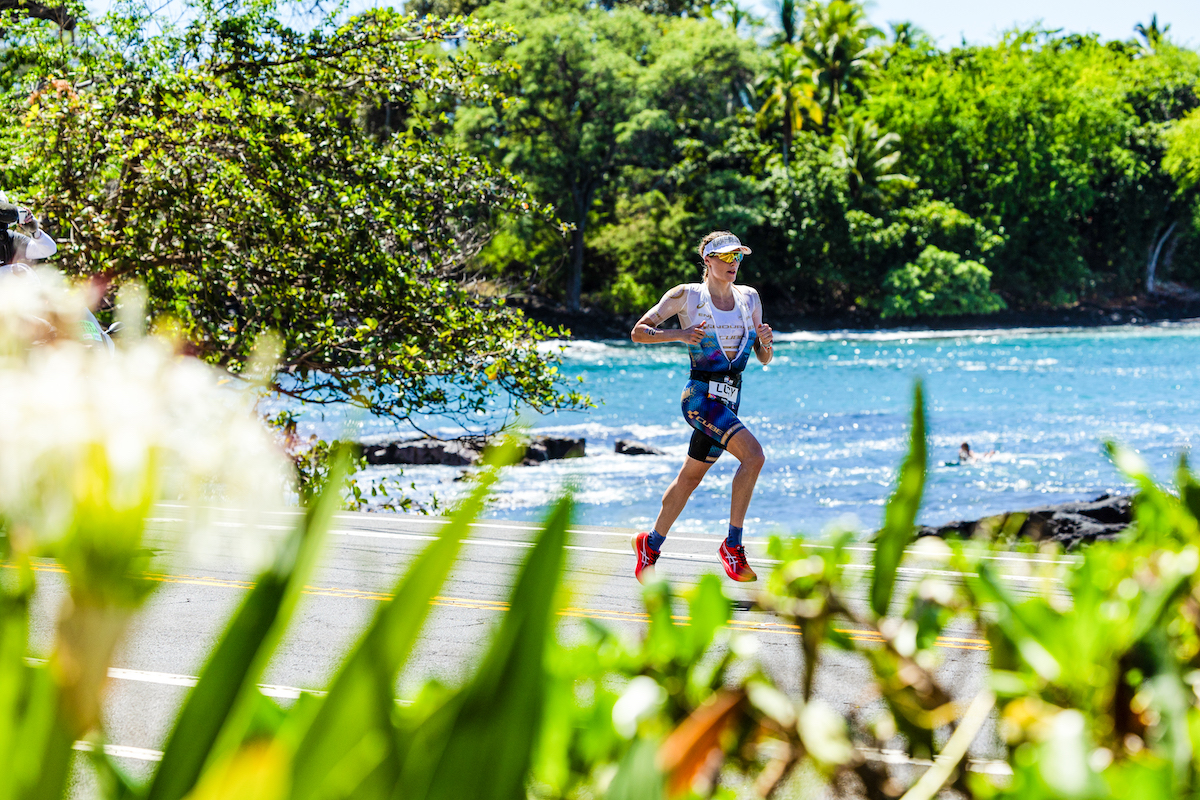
[688,479]
[750,453]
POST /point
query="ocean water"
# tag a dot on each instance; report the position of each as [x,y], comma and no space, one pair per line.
[832,413]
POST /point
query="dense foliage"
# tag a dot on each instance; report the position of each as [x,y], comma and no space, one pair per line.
[830,147]
[255,177]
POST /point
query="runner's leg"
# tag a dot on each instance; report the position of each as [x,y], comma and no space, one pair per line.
[746,449]
[677,494]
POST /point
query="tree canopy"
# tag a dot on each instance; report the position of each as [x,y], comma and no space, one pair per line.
[256,177]
[838,153]
[373,188]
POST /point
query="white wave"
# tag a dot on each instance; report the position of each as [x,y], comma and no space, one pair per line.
[582,349]
[655,431]
[1189,327]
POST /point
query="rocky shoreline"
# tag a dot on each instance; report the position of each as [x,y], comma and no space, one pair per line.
[1068,524]
[467,452]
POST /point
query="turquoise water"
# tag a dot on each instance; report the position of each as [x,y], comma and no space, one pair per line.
[832,413]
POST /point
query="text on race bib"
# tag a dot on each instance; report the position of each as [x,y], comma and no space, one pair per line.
[723,391]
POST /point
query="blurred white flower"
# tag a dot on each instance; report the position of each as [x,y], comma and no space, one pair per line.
[824,734]
[87,434]
[641,698]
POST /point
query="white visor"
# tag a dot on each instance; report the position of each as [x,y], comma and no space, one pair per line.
[725,244]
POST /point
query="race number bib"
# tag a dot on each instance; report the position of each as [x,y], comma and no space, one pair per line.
[723,391]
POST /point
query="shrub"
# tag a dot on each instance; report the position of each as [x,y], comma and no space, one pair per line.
[627,296]
[939,284]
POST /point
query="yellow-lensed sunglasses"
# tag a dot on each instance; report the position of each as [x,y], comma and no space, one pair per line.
[730,258]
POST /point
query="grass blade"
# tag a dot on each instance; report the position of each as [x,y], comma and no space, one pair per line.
[955,750]
[638,775]
[901,513]
[222,701]
[359,705]
[488,746]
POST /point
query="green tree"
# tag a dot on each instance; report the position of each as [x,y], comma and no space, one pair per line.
[869,159]
[566,109]
[789,22]
[837,44]
[738,16]
[1151,34]
[939,284]
[597,92]
[1046,139]
[789,89]
[257,178]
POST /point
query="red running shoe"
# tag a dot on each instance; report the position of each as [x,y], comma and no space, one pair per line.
[733,559]
[646,557]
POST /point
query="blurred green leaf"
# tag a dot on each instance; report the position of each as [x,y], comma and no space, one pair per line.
[710,611]
[901,513]
[41,749]
[218,709]
[638,776]
[355,718]
[495,721]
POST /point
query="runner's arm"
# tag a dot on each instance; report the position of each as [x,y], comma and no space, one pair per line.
[763,345]
[646,331]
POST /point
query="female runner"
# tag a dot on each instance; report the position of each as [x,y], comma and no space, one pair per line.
[721,323]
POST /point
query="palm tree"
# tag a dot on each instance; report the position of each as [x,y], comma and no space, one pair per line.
[837,44]
[737,15]
[868,158]
[787,21]
[905,36]
[791,91]
[1151,35]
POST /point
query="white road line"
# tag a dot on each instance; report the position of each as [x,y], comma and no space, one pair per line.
[500,524]
[188,681]
[984,765]
[122,751]
[479,542]
[168,679]
[895,757]
[162,678]
[504,525]
[765,562]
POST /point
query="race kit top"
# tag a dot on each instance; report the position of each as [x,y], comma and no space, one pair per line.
[724,330]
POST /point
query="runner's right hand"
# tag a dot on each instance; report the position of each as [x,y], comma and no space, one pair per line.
[694,334]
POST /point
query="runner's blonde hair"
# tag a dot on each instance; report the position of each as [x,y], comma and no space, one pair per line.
[708,237]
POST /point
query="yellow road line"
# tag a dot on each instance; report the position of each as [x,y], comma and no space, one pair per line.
[948,642]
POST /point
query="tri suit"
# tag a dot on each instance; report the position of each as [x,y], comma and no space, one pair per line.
[713,392]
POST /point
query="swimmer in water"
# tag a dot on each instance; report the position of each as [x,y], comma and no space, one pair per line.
[721,324]
[965,456]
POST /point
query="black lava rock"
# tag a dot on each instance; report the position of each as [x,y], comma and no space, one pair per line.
[552,448]
[465,452]
[1070,524]
[631,447]
[423,451]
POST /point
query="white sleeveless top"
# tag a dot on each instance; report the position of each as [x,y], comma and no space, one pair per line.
[729,328]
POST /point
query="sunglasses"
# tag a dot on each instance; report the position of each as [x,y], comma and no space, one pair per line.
[730,258]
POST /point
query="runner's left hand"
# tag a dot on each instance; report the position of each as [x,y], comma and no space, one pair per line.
[765,336]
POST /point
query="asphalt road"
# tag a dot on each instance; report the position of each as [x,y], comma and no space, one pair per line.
[170,638]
